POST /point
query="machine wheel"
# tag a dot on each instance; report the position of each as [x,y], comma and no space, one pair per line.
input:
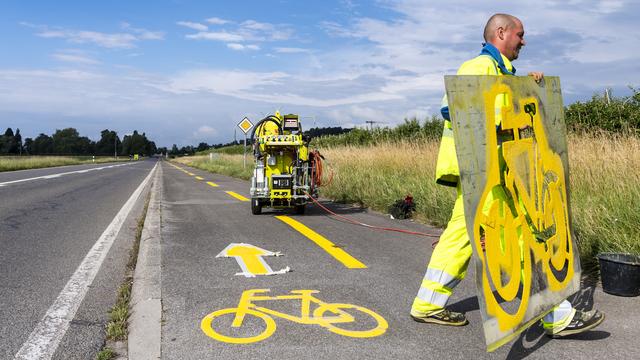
[256,207]
[299,209]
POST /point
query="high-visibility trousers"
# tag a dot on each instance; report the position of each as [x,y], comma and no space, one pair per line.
[448,266]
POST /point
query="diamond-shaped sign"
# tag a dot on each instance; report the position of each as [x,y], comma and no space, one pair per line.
[245,125]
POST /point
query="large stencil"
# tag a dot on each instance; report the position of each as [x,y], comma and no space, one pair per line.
[511,146]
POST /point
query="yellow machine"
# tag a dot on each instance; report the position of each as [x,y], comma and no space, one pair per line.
[285,171]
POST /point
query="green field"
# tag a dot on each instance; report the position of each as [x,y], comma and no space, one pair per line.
[11,163]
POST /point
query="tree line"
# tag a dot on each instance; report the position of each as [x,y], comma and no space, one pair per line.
[69,142]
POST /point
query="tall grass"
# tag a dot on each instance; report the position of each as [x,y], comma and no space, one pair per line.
[605,193]
[604,184]
[11,163]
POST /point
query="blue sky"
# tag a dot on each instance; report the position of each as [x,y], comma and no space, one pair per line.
[188,71]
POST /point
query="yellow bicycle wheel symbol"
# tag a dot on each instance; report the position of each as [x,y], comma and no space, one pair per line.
[335,317]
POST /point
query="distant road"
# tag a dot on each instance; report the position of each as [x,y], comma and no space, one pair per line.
[49,220]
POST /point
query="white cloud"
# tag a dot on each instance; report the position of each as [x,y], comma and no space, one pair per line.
[193,25]
[217,21]
[205,132]
[240,47]
[74,56]
[124,40]
[217,36]
[291,50]
[144,34]
[249,30]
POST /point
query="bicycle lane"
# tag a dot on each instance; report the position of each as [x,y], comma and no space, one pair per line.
[200,221]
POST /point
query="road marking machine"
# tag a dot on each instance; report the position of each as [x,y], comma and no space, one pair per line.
[286,173]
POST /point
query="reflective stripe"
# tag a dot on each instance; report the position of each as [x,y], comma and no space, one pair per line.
[442,278]
[560,317]
[433,297]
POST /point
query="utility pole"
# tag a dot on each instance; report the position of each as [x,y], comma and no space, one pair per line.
[115,145]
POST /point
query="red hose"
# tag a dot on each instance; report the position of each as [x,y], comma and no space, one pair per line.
[355,222]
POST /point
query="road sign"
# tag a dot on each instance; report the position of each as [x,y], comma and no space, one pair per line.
[250,259]
[245,125]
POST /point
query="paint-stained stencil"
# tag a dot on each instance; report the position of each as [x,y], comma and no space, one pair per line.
[511,146]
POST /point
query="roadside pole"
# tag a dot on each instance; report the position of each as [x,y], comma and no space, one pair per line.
[245,125]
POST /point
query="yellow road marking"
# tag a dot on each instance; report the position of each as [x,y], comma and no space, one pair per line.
[339,317]
[191,174]
[212,183]
[340,255]
[199,178]
[237,196]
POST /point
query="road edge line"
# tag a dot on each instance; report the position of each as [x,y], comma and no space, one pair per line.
[145,322]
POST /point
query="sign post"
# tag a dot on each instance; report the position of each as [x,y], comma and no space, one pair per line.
[245,125]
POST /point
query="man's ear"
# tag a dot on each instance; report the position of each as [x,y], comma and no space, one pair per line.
[500,33]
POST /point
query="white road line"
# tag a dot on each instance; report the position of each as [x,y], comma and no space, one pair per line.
[45,338]
[53,176]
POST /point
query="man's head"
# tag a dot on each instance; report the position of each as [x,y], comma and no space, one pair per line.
[506,33]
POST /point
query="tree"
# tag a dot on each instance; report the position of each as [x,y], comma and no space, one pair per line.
[8,143]
[18,139]
[174,150]
[42,145]
[108,143]
[28,146]
[202,146]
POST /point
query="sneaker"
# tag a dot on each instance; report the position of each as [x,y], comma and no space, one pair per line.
[444,317]
[582,321]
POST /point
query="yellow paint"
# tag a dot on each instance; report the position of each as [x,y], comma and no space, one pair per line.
[199,178]
[191,174]
[250,256]
[211,183]
[339,254]
[237,196]
[525,194]
[327,315]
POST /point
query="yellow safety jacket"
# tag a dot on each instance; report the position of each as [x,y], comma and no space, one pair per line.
[447,172]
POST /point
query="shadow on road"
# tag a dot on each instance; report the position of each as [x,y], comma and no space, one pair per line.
[534,338]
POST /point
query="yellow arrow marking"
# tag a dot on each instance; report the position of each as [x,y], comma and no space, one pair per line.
[199,178]
[237,196]
[251,258]
[212,183]
[340,255]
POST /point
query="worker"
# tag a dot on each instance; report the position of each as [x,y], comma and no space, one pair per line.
[504,37]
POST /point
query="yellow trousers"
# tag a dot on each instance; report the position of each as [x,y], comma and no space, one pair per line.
[449,263]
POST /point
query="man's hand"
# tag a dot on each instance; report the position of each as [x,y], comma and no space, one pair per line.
[537,76]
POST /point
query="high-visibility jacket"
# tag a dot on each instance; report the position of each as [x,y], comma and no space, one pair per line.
[447,172]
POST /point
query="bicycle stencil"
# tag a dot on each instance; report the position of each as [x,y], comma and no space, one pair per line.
[511,144]
[338,318]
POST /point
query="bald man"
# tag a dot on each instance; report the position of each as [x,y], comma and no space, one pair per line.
[504,38]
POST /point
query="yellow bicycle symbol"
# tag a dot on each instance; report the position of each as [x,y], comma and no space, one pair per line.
[328,315]
[523,211]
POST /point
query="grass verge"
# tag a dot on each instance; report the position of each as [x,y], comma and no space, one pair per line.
[117,329]
[12,163]
[225,164]
[106,354]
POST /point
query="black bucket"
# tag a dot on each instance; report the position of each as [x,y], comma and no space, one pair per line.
[620,274]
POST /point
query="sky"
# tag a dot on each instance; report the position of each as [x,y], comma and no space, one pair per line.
[186,71]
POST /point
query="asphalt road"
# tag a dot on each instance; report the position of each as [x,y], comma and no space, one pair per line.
[199,221]
[49,220]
